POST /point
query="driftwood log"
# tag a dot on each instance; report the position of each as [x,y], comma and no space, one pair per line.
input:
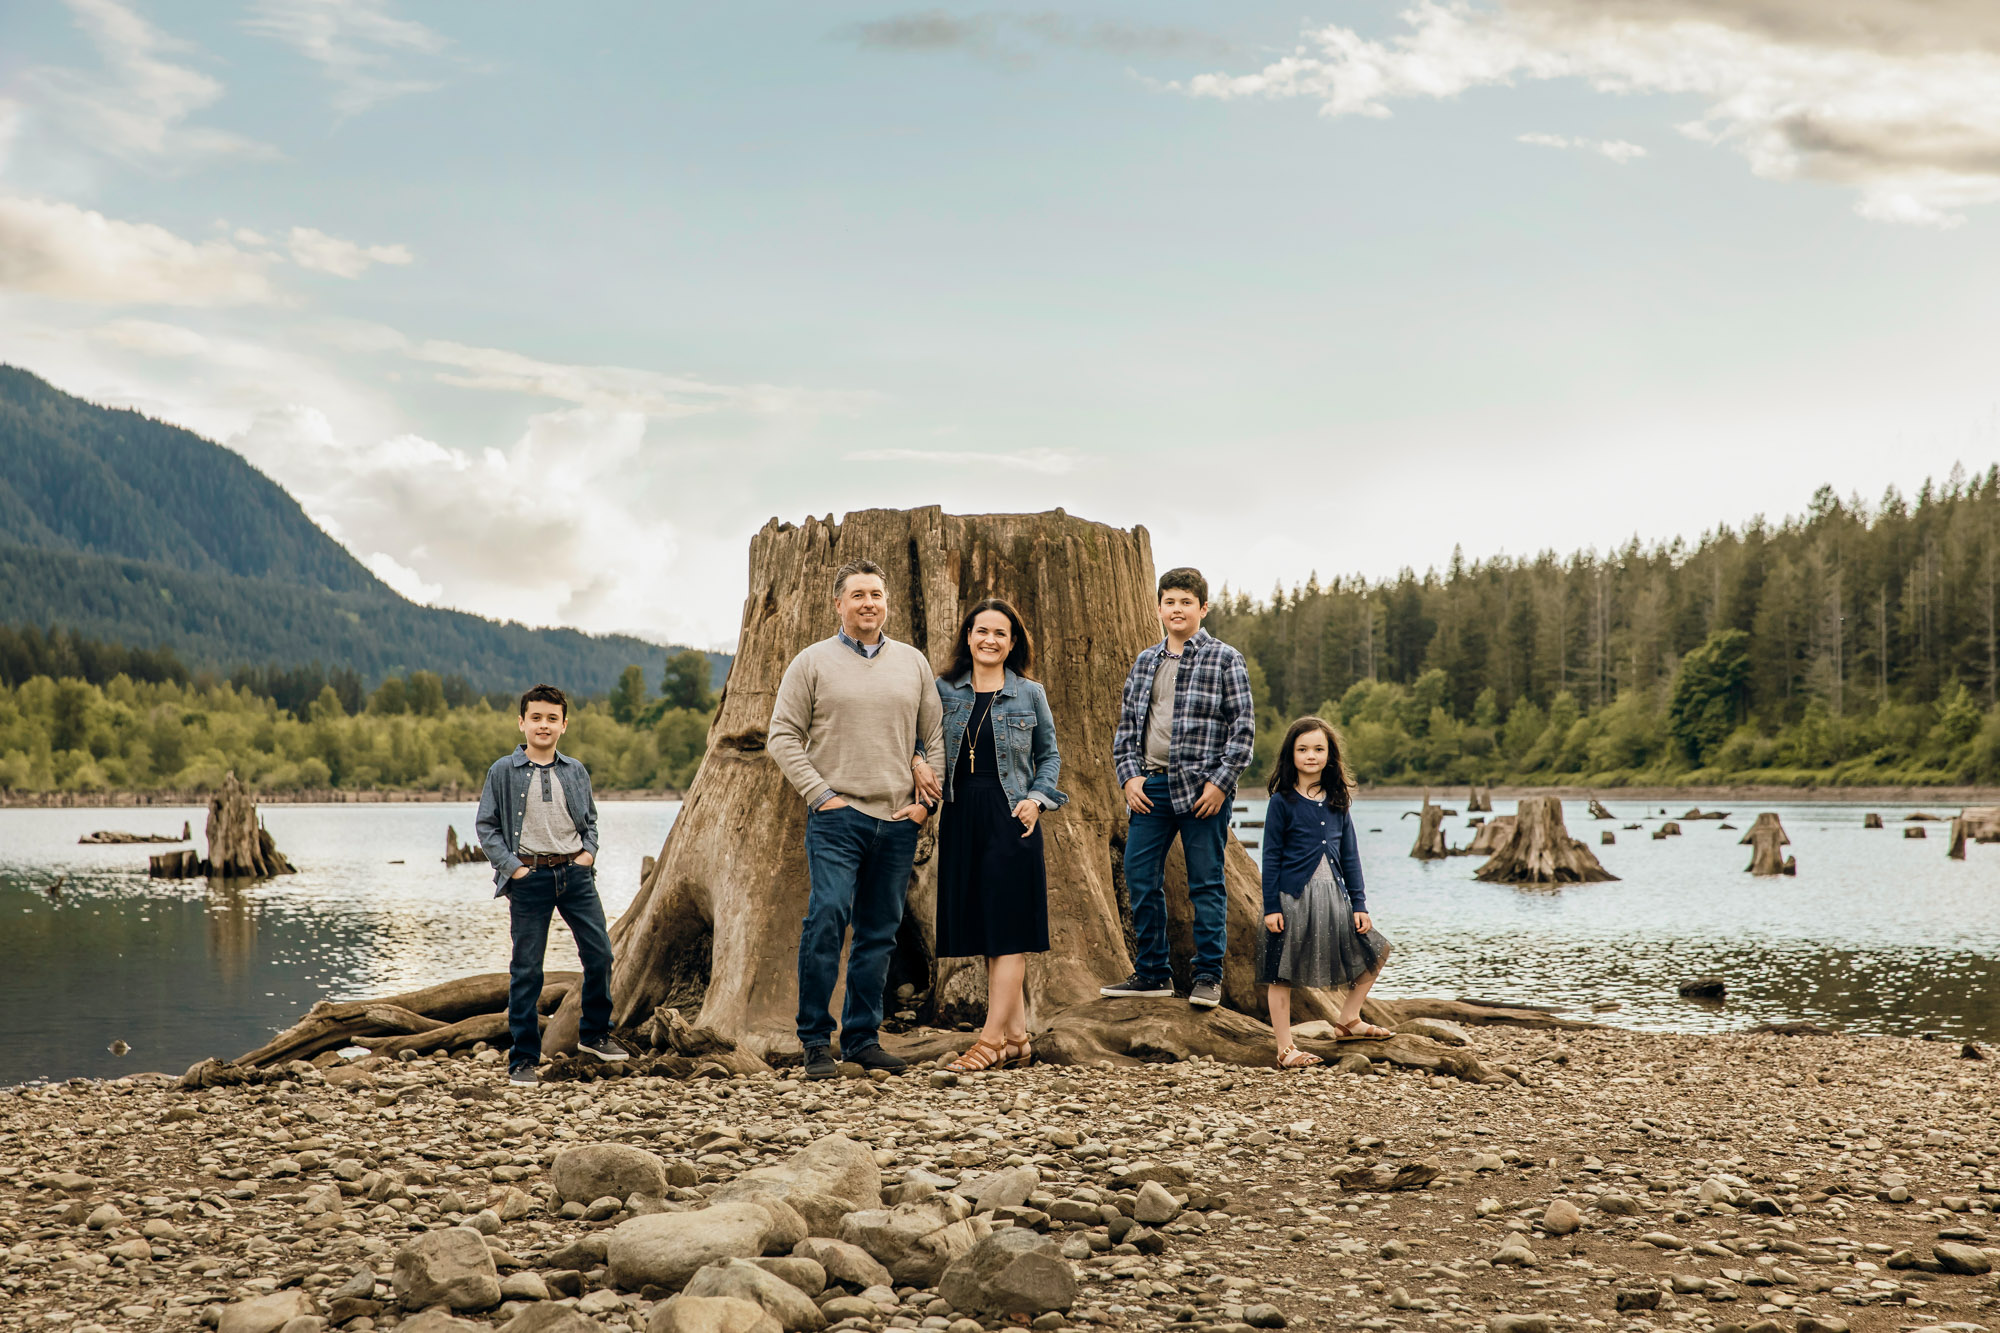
[1539,850]
[441,1017]
[1699,813]
[1597,810]
[715,926]
[112,838]
[1765,839]
[1973,824]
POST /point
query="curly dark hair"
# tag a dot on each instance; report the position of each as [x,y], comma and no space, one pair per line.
[1337,782]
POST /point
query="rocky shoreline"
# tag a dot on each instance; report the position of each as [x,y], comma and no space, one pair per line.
[1614,1180]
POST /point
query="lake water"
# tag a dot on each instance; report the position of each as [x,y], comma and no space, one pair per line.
[1876,934]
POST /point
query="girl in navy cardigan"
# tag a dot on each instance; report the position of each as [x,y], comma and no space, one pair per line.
[1318,932]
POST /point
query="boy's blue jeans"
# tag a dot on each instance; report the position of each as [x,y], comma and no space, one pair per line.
[531,901]
[860,869]
[1146,843]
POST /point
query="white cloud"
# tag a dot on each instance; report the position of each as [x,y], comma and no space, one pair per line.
[10,129]
[57,249]
[356,43]
[402,578]
[1898,100]
[1618,150]
[138,105]
[620,388]
[1046,461]
[315,250]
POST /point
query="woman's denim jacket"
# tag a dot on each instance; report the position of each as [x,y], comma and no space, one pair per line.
[1024,738]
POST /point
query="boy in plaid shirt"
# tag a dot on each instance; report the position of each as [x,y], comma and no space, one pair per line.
[1185,734]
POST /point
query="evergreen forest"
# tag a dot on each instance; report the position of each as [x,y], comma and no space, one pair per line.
[1855,644]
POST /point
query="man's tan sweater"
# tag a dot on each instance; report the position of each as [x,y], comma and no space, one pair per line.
[850,724]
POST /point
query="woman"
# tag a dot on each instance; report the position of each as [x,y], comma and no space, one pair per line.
[1000,767]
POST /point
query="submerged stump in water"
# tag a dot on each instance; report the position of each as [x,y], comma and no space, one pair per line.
[239,846]
[1430,834]
[1973,824]
[458,853]
[1492,836]
[1541,850]
[1764,839]
[1597,810]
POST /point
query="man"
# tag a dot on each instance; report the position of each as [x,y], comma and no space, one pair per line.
[538,824]
[1184,736]
[855,716]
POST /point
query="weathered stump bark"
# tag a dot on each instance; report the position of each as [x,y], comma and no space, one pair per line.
[238,845]
[1492,836]
[1973,824]
[1915,831]
[1764,839]
[1871,820]
[1541,850]
[716,923]
[458,853]
[1597,810]
[1607,838]
[1670,829]
[1430,834]
[1479,802]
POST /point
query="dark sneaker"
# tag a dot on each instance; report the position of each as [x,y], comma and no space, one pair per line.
[605,1048]
[872,1056]
[1137,985]
[819,1063]
[1206,993]
[524,1076]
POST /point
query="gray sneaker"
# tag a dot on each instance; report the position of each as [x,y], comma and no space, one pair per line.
[523,1076]
[605,1048]
[1206,993]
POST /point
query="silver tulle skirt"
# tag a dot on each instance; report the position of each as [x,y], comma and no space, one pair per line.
[1319,945]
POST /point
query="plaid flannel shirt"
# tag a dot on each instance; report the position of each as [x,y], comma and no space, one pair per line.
[1215,722]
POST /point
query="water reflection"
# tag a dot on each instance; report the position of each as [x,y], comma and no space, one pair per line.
[180,970]
[1876,934]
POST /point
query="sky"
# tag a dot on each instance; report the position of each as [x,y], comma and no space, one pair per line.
[542,311]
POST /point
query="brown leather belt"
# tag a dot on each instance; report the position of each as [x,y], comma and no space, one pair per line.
[547,860]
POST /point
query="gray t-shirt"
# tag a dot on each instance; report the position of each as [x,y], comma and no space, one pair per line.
[1160,713]
[546,826]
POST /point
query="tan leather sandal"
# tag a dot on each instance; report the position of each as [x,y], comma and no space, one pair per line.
[1020,1052]
[982,1057]
[1291,1057]
[1361,1030]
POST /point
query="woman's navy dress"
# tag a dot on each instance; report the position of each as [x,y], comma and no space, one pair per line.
[993,892]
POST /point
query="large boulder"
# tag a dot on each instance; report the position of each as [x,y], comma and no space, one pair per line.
[666,1249]
[823,1182]
[590,1171]
[451,1267]
[743,1280]
[805,1274]
[437,1321]
[711,1314]
[1015,1271]
[915,1241]
[787,1227]
[265,1314]
[849,1265]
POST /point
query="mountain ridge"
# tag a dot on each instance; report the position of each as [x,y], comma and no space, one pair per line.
[128,529]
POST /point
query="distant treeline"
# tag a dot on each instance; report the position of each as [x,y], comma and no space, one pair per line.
[1855,644]
[80,715]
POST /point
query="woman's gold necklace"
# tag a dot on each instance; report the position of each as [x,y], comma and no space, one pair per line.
[972,737]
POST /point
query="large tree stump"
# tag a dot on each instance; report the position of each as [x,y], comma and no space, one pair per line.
[1764,839]
[1541,850]
[716,923]
[1974,824]
[1597,810]
[1492,836]
[239,846]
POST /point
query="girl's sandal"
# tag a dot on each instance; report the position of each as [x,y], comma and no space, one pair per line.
[983,1056]
[1291,1057]
[1361,1030]
[1020,1051]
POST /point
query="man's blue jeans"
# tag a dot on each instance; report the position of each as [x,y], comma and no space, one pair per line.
[1146,843]
[860,868]
[531,901]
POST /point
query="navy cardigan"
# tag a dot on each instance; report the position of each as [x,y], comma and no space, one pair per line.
[1297,832]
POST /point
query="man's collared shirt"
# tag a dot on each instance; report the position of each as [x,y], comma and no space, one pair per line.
[865,649]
